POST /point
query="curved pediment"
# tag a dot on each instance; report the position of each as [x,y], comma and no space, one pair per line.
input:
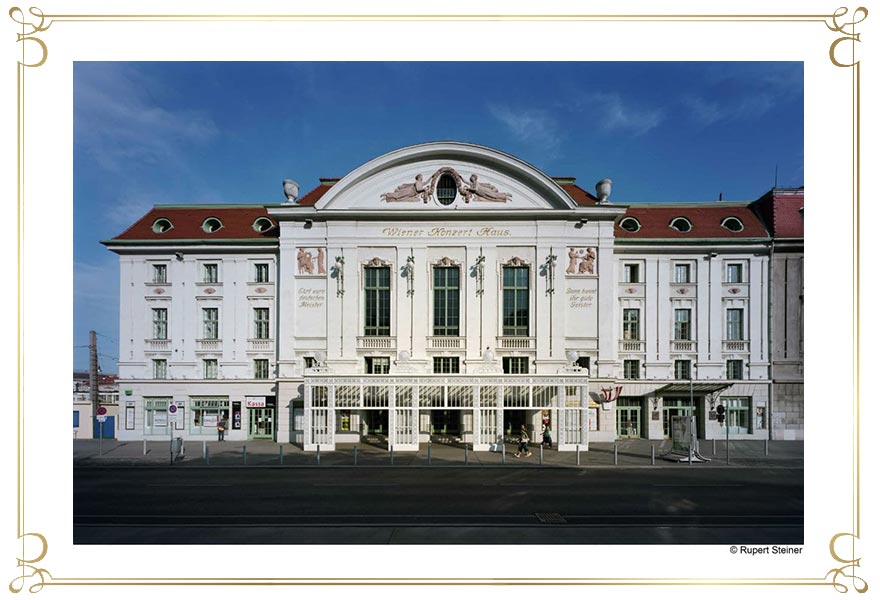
[445,176]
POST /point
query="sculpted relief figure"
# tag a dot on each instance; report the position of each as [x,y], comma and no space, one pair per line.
[485,191]
[304,262]
[581,261]
[320,260]
[408,192]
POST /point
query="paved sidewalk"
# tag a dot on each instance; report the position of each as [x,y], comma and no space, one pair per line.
[629,454]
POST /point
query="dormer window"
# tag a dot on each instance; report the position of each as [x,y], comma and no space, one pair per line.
[212,225]
[262,224]
[732,224]
[446,190]
[162,226]
[630,224]
[681,224]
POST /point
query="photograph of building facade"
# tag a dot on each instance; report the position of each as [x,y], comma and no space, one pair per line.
[450,291]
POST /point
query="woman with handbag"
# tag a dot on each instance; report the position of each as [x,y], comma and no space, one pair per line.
[523,442]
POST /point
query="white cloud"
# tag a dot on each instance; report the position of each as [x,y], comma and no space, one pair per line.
[612,113]
[531,126]
[118,119]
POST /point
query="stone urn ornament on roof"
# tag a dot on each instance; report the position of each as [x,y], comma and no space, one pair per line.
[291,190]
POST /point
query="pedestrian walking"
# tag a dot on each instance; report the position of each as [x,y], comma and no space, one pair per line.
[547,434]
[221,428]
[523,442]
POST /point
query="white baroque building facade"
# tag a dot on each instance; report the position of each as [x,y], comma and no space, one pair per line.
[451,290]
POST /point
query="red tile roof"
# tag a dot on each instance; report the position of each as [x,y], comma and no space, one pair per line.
[780,209]
[580,195]
[187,223]
[312,197]
[705,221]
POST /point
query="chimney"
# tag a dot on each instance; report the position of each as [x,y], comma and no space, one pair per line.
[603,190]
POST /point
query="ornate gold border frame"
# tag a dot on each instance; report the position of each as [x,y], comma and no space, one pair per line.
[842,546]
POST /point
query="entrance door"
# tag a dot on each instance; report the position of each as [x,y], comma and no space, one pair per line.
[629,420]
[107,430]
[513,420]
[261,423]
[377,422]
[445,422]
[673,407]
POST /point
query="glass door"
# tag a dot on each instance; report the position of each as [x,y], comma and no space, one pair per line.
[629,419]
[261,423]
[675,408]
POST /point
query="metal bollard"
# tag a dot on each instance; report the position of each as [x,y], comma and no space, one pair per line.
[280,455]
[465,454]
[145,447]
[766,447]
[503,453]
[615,453]
[204,448]
[207,457]
[578,455]
[355,455]
[429,453]
[318,454]
[541,455]
[392,454]
[652,454]
[690,456]
[244,455]
[713,446]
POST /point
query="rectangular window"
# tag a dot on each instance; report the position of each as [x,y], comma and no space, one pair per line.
[160,323]
[160,368]
[682,324]
[160,274]
[735,324]
[377,304]
[734,369]
[129,417]
[210,368]
[630,369]
[210,273]
[211,324]
[261,273]
[515,290]
[344,420]
[378,365]
[515,365]
[207,412]
[446,300]
[734,273]
[261,323]
[682,273]
[583,362]
[310,362]
[737,414]
[446,364]
[631,273]
[682,369]
[76,418]
[156,415]
[631,325]
[261,368]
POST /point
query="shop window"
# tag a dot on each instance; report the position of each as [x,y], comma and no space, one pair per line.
[737,414]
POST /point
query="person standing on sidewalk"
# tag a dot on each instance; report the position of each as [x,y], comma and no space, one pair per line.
[221,427]
[547,434]
[523,441]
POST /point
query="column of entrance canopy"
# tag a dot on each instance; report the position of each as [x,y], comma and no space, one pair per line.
[331,417]
[499,415]
[585,415]
[477,435]
[414,415]
[308,437]
[561,428]
[394,438]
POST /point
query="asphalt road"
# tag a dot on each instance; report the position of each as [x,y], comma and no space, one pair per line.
[437,505]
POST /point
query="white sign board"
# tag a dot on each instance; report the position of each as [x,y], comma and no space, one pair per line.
[101,418]
[255,402]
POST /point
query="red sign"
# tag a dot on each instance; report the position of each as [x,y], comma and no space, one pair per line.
[102,410]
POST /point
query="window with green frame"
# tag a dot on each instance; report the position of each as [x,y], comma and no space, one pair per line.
[737,414]
[377,301]
[515,365]
[261,323]
[631,325]
[447,286]
[156,415]
[446,364]
[207,413]
[515,308]
[211,324]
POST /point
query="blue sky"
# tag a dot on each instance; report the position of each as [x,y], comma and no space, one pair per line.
[153,133]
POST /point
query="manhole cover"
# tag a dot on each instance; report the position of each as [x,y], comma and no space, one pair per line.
[550,518]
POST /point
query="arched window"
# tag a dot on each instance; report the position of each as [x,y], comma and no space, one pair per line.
[263,224]
[162,225]
[681,224]
[211,225]
[630,224]
[732,224]
[446,190]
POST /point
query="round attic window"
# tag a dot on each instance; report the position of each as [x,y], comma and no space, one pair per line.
[681,224]
[446,190]
[733,224]
[630,224]
[161,225]
[211,225]
[262,224]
